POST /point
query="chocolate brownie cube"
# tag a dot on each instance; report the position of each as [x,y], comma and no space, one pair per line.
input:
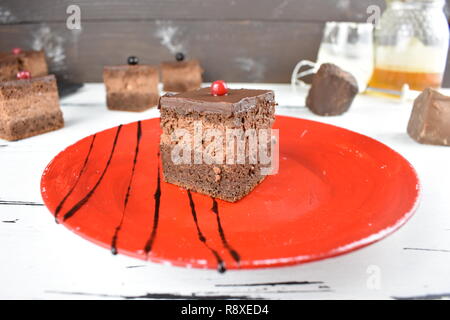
[131,87]
[181,76]
[332,91]
[29,107]
[31,61]
[241,110]
[430,118]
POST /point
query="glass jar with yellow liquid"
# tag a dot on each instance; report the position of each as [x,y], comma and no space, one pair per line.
[411,44]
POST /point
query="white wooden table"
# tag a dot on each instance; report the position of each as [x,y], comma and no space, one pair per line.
[42,260]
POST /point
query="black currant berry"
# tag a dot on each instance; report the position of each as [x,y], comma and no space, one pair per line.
[179,56]
[132,60]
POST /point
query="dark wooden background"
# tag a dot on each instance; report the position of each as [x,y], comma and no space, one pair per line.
[235,40]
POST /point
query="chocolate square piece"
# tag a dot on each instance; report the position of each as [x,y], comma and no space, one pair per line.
[181,76]
[196,112]
[31,61]
[131,87]
[430,118]
[332,91]
[29,107]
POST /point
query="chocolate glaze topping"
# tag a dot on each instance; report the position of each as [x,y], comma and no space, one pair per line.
[201,100]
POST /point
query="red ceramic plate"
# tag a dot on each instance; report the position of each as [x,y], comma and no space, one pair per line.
[336,191]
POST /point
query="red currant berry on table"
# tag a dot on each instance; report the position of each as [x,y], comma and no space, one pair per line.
[219,88]
[23,75]
[16,51]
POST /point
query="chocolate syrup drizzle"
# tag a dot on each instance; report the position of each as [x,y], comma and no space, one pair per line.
[83,168]
[86,198]
[127,196]
[157,197]
[220,263]
[233,253]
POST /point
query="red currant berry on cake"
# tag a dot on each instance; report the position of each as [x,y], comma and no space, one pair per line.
[23,75]
[16,51]
[219,88]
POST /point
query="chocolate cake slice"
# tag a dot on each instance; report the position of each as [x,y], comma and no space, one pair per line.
[188,113]
[131,87]
[29,107]
[31,61]
[181,76]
